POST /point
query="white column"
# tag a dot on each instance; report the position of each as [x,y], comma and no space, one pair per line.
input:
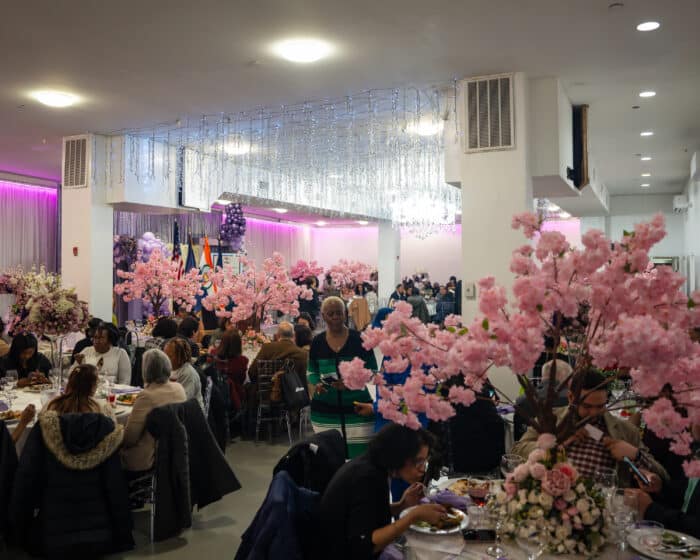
[388,259]
[495,186]
[86,228]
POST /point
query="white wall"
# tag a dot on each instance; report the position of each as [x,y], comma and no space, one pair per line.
[691,228]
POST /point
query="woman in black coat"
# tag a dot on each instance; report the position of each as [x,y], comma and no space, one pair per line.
[70,497]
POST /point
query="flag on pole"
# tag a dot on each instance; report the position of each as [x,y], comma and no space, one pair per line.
[219,256]
[206,255]
[177,252]
[191,260]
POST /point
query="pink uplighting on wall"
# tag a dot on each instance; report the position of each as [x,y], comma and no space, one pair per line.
[29,189]
[571,229]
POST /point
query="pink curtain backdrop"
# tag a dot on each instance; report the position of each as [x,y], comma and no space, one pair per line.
[28,226]
[262,238]
[570,228]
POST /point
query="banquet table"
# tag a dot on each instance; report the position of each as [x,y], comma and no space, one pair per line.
[24,398]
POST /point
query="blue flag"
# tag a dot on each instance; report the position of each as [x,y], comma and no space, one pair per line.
[219,256]
[191,261]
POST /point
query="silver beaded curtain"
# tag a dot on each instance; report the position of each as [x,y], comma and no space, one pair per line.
[196,223]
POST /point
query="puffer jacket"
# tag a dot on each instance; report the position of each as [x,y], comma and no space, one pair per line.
[70,497]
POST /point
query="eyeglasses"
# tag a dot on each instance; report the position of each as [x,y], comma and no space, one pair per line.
[421,464]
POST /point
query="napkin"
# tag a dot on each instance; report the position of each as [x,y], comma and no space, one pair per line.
[449,499]
[3,406]
[434,547]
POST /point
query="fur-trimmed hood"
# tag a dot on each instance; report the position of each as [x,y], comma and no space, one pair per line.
[80,441]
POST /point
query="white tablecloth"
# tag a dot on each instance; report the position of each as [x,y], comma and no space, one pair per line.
[23,398]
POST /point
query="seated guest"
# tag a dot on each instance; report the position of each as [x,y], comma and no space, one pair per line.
[4,346]
[24,358]
[620,438]
[233,365]
[420,309]
[225,324]
[399,294]
[79,393]
[675,505]
[165,329]
[305,319]
[27,416]
[81,345]
[111,361]
[355,514]
[189,330]
[282,349]
[523,409]
[178,351]
[444,295]
[303,337]
[138,450]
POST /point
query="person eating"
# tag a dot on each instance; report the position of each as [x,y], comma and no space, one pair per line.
[355,513]
[24,358]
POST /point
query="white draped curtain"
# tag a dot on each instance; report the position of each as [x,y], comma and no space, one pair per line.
[263,238]
[28,226]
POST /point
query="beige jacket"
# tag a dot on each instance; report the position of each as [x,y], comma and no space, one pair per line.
[138,451]
[618,429]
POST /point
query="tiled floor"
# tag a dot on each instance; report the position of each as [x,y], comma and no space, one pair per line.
[217,529]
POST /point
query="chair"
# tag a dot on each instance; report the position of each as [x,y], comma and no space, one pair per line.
[304,421]
[142,490]
[269,411]
[207,396]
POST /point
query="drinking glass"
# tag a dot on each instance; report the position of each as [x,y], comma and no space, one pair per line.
[606,480]
[622,510]
[532,544]
[509,462]
[11,378]
[495,549]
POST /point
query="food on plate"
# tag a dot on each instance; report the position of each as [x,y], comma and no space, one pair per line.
[470,487]
[38,388]
[128,399]
[453,519]
[10,415]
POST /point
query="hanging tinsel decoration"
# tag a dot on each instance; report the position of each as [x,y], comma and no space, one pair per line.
[233,228]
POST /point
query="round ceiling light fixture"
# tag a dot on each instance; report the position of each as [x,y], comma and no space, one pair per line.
[648,26]
[303,51]
[647,94]
[646,133]
[646,158]
[646,174]
[362,222]
[321,223]
[644,185]
[281,210]
[54,98]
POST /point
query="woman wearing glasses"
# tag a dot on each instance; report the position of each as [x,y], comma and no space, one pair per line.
[355,512]
[334,406]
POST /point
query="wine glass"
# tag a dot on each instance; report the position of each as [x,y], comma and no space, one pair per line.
[532,543]
[622,508]
[11,378]
[509,462]
[606,479]
[495,549]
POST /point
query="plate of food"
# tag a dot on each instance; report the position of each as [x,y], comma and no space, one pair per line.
[476,488]
[38,387]
[10,415]
[127,399]
[455,522]
[662,544]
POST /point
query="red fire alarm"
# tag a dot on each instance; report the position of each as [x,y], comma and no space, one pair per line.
[75,251]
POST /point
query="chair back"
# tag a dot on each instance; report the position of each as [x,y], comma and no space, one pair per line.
[266,371]
[207,395]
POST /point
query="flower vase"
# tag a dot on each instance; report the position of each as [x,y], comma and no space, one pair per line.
[56,341]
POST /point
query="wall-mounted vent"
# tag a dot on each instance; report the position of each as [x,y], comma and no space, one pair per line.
[489,111]
[75,162]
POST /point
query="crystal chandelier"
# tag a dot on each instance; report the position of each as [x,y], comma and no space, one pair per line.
[377,154]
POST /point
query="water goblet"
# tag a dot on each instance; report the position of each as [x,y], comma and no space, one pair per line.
[495,550]
[509,462]
[532,544]
[606,479]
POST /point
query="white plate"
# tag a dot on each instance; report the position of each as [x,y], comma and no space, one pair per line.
[427,531]
[639,540]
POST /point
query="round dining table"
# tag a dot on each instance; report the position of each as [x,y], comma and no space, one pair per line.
[23,397]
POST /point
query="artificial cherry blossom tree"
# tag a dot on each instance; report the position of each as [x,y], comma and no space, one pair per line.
[255,294]
[156,281]
[602,298]
[303,270]
[348,274]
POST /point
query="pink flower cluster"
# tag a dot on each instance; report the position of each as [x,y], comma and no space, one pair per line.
[302,270]
[620,313]
[156,281]
[348,274]
[256,294]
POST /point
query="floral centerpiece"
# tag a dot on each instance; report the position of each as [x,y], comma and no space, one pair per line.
[546,496]
[253,340]
[348,274]
[599,296]
[303,270]
[157,280]
[255,295]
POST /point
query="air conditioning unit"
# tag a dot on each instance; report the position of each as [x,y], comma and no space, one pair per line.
[75,162]
[490,123]
[681,204]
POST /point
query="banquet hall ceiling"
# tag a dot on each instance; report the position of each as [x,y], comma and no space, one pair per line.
[138,62]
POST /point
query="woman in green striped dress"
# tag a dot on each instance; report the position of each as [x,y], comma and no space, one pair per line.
[333,406]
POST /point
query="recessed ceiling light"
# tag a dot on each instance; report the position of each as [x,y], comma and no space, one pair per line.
[647,94]
[362,222]
[223,202]
[54,98]
[321,223]
[302,51]
[648,26]
[239,148]
[646,133]
[564,215]
[427,127]
[646,174]
[281,210]
[644,185]
[646,158]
